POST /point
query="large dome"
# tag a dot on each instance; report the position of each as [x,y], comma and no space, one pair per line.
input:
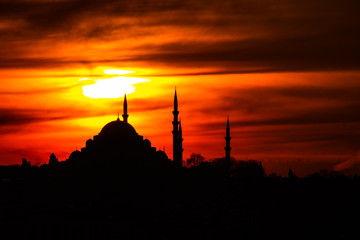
[119,129]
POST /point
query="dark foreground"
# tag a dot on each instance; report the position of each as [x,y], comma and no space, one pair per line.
[174,204]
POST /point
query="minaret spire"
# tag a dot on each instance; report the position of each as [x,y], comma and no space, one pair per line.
[228,128]
[227,145]
[125,115]
[175,102]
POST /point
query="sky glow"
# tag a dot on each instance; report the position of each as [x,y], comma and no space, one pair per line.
[287,74]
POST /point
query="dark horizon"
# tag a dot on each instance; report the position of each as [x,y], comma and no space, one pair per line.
[122,197]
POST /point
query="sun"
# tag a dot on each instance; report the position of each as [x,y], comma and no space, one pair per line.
[113,87]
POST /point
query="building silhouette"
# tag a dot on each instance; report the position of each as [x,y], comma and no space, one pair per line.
[177,136]
[118,144]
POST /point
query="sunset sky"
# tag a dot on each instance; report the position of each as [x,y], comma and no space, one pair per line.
[286,72]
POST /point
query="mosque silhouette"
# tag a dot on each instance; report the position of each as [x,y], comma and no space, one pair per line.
[118,144]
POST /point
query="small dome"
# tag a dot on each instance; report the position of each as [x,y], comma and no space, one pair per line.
[147,143]
[119,129]
[89,142]
[75,154]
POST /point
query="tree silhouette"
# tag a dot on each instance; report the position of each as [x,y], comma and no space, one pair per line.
[291,174]
[194,160]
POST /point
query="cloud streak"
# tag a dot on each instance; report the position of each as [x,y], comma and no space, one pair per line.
[236,36]
[11,117]
[41,91]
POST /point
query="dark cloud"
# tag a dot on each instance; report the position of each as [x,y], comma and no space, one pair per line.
[289,105]
[39,62]
[282,54]
[10,117]
[40,91]
[350,166]
[241,36]
[290,115]
[313,118]
[143,105]
[61,17]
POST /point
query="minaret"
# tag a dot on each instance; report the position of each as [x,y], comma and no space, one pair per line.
[227,146]
[177,152]
[125,115]
[180,143]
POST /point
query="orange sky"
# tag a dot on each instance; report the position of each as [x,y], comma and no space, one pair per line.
[287,74]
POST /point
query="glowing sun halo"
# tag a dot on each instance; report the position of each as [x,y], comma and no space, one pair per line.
[112,87]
